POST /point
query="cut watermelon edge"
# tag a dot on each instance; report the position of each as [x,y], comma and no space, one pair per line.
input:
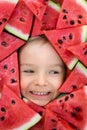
[29,124]
[16,32]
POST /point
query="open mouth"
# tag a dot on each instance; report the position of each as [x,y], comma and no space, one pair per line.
[39,93]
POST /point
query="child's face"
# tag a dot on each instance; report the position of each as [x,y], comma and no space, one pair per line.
[41,72]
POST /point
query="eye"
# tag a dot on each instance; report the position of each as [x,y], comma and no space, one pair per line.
[54,72]
[28,71]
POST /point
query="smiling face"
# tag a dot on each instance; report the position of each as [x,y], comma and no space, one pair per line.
[41,71]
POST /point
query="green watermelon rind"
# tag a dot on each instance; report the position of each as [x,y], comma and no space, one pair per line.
[16,32]
[54,5]
[72,63]
[81,68]
[10,1]
[82,3]
[29,124]
[84,33]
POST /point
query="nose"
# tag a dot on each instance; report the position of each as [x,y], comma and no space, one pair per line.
[41,80]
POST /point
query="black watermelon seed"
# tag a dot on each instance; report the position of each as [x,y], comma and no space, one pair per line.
[66,98]
[3,109]
[70,36]
[53,120]
[85,53]
[2,118]
[71,95]
[73,114]
[60,41]
[79,16]
[4,20]
[3,43]
[64,38]
[13,102]
[74,86]
[72,22]
[60,101]
[79,21]
[13,81]
[65,11]
[0,23]
[78,109]
[5,67]
[22,19]
[12,70]
[64,17]
[54,129]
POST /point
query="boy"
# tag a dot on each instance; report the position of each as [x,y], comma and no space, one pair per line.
[42,71]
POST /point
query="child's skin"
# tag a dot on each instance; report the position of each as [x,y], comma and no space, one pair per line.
[42,71]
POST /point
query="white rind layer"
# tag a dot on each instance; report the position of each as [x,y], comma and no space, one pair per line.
[16,32]
[29,124]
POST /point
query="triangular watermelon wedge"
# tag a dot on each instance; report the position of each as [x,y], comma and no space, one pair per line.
[9,73]
[8,44]
[48,22]
[20,21]
[73,13]
[80,51]
[72,108]
[76,79]
[14,113]
[6,9]
[65,38]
[55,122]
[38,7]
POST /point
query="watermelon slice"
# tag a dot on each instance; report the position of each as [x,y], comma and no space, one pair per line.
[55,122]
[73,13]
[8,44]
[81,54]
[14,113]
[9,73]
[21,21]
[72,108]
[6,9]
[38,7]
[48,22]
[76,79]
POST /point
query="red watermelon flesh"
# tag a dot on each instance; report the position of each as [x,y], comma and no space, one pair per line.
[80,51]
[20,21]
[55,122]
[9,72]
[65,38]
[8,44]
[73,13]
[76,79]
[49,19]
[6,9]
[14,113]
[72,108]
[38,7]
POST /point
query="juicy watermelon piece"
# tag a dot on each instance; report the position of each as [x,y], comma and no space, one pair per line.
[55,122]
[76,79]
[21,21]
[14,113]
[9,72]
[73,13]
[72,108]
[65,38]
[8,44]
[49,19]
[80,51]
[38,7]
[6,9]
